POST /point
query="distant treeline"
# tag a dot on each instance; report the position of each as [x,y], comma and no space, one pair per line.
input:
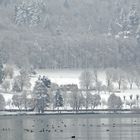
[70,34]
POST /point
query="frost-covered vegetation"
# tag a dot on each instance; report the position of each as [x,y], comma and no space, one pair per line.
[70,33]
[94,36]
[25,90]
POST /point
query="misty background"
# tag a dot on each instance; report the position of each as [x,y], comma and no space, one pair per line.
[70,33]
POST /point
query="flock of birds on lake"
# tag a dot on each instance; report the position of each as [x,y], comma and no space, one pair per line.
[61,127]
[49,128]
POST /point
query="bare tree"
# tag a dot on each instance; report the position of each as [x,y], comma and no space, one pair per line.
[131,80]
[137,99]
[119,77]
[21,81]
[109,78]
[23,102]
[17,101]
[95,76]
[86,82]
[137,80]
[131,76]
[82,101]
[95,100]
[99,87]
[131,102]
[77,100]
[124,85]
[8,71]
[24,79]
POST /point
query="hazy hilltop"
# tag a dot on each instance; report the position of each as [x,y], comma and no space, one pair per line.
[70,33]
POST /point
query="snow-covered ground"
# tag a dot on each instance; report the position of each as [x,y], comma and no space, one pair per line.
[63,77]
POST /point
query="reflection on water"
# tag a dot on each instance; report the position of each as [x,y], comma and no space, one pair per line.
[85,127]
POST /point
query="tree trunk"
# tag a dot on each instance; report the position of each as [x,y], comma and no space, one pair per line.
[119,84]
[86,103]
[131,85]
[108,83]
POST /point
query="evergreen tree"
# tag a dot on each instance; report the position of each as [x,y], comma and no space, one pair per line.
[40,88]
[128,21]
[41,93]
[29,13]
[46,81]
[58,99]
[133,17]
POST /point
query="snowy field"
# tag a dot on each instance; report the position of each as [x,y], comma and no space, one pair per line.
[63,77]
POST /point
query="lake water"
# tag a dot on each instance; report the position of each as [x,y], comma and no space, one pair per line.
[83,127]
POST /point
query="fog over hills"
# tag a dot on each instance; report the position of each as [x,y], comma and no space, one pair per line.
[70,33]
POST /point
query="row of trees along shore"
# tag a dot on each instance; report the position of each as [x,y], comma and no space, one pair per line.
[49,95]
[76,101]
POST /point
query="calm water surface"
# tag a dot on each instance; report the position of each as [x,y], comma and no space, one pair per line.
[83,127]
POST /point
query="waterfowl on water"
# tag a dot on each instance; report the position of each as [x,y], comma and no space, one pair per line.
[73,137]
